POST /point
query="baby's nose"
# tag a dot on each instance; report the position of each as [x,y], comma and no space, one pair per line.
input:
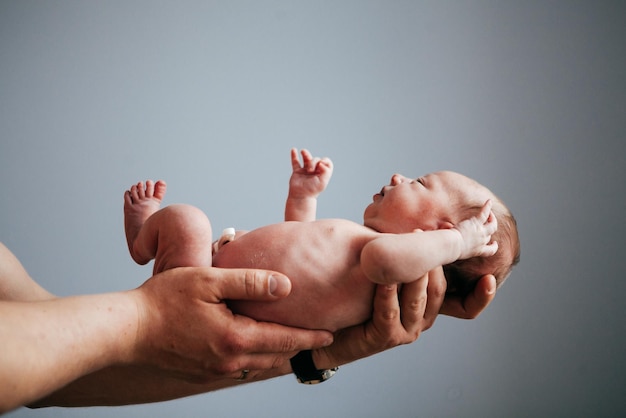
[396,179]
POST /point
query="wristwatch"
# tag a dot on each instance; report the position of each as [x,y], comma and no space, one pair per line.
[305,371]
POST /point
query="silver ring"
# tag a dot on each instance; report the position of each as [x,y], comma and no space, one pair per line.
[244,374]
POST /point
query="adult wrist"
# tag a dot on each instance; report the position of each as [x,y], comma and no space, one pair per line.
[306,371]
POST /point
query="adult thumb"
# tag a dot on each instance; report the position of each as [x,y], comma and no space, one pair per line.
[250,284]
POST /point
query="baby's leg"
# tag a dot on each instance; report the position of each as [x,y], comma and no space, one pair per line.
[175,236]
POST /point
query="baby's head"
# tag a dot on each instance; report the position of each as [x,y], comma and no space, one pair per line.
[462,275]
[441,200]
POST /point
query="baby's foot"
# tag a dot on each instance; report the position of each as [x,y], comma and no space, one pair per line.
[140,202]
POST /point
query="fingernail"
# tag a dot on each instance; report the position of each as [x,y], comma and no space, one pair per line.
[279,285]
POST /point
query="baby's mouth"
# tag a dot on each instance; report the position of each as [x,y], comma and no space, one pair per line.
[381,193]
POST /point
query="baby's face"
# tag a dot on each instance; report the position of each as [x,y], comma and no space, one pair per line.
[425,203]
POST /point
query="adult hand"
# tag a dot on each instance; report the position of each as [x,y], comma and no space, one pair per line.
[186,340]
[474,303]
[187,331]
[397,318]
[400,318]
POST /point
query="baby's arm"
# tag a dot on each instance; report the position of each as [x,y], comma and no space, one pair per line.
[306,183]
[402,258]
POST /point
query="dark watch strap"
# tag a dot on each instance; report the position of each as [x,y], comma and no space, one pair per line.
[305,371]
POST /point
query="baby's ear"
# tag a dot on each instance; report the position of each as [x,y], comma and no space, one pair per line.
[444,225]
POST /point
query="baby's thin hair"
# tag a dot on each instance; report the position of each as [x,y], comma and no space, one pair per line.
[462,275]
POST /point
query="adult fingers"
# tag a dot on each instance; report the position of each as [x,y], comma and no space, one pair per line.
[474,303]
[383,331]
[481,297]
[398,318]
[436,295]
[386,307]
[263,337]
[265,342]
[421,302]
[267,337]
[245,284]
[413,302]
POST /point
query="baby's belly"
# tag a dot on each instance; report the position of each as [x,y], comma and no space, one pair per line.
[328,289]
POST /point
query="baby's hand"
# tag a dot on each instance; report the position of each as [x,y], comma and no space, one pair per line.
[476,234]
[310,178]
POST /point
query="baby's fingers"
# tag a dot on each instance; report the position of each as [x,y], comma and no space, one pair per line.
[325,165]
[485,212]
[309,163]
[295,161]
[491,224]
[490,249]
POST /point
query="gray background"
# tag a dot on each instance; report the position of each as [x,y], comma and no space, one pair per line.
[527,97]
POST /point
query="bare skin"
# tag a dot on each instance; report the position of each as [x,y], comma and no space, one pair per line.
[137,346]
[140,350]
[226,344]
[336,260]
[177,237]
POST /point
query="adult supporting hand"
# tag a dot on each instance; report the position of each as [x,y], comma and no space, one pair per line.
[187,330]
[474,303]
[400,318]
[397,318]
[174,329]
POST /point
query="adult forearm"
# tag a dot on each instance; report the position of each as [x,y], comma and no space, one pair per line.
[120,385]
[128,385]
[124,385]
[48,344]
